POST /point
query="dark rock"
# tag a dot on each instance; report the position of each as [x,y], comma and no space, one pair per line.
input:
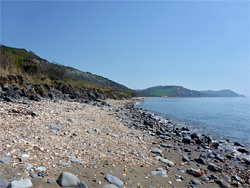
[219,157]
[237,178]
[201,161]
[238,144]
[35,98]
[186,140]
[185,129]
[42,173]
[203,155]
[211,155]
[194,136]
[194,173]
[214,168]
[215,144]
[185,159]
[242,150]
[8,99]
[229,156]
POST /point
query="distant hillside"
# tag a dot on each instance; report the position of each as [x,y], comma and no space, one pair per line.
[221,93]
[179,91]
[19,64]
[171,91]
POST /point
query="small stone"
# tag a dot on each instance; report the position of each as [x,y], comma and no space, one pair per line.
[63,163]
[166,161]
[51,181]
[114,180]
[33,175]
[195,181]
[67,179]
[24,183]
[201,161]
[3,182]
[238,144]
[156,150]
[56,127]
[5,160]
[41,168]
[114,135]
[185,159]
[214,168]
[226,177]
[160,172]
[96,130]
[193,172]
[75,160]
[109,186]
[186,140]
[27,166]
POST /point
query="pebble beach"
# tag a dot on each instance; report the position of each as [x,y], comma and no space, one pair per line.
[105,144]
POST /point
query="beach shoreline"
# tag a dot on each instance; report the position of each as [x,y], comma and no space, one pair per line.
[112,137]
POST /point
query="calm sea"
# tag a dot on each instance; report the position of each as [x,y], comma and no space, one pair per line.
[219,117]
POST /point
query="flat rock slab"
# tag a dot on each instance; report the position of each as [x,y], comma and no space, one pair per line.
[67,179]
[25,183]
[5,160]
[156,150]
[27,166]
[114,180]
[166,161]
[3,182]
[109,186]
[56,127]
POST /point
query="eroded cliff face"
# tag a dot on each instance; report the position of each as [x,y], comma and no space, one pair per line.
[16,87]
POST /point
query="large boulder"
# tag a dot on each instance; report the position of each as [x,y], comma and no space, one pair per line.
[67,179]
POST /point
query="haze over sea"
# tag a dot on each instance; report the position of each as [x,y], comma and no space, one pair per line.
[220,117]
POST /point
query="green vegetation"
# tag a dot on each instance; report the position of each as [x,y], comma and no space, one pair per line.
[35,70]
[19,52]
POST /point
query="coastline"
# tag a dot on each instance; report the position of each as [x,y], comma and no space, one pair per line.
[112,137]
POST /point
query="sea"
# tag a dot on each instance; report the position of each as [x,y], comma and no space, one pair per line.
[222,118]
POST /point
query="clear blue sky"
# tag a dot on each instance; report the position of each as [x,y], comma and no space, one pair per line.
[196,44]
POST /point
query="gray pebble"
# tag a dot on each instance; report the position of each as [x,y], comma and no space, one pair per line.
[27,166]
[3,182]
[51,180]
[109,186]
[24,183]
[63,163]
[56,127]
[156,150]
[5,160]
[114,180]
[33,175]
[195,181]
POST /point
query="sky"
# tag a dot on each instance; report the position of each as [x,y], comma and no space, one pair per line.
[201,45]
